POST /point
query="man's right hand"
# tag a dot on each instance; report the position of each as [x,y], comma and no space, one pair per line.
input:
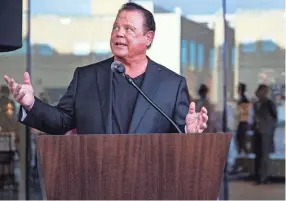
[22,93]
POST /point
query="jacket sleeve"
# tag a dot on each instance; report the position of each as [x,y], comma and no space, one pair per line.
[54,119]
[181,106]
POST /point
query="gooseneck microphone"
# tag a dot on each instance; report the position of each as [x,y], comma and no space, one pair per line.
[118,67]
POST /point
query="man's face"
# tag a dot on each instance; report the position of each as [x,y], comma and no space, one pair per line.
[261,93]
[129,37]
[239,90]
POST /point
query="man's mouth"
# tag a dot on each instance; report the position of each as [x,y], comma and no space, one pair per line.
[118,44]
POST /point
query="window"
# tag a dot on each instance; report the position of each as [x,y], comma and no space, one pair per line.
[200,56]
[193,52]
[211,59]
[81,49]
[45,49]
[268,46]
[102,48]
[249,47]
[184,53]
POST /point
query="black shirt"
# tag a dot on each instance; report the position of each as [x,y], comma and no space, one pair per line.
[123,102]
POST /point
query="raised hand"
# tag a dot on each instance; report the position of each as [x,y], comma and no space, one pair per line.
[196,122]
[22,93]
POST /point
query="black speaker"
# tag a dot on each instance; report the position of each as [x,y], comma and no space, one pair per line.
[10,25]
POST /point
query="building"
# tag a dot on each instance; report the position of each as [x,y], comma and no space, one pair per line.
[259,51]
[260,44]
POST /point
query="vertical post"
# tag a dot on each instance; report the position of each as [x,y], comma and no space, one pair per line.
[225,82]
[28,131]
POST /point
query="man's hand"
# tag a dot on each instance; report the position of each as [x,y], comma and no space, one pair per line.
[22,93]
[196,122]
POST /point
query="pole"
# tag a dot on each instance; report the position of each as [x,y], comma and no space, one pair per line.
[225,71]
[28,131]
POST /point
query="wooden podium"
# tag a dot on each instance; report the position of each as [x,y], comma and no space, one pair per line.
[132,167]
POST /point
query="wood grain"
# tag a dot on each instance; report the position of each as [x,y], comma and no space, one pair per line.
[145,167]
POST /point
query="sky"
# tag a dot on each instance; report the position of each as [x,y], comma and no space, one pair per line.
[189,7]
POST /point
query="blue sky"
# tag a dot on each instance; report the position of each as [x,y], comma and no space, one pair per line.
[192,7]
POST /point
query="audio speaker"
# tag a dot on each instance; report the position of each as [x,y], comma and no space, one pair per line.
[10,25]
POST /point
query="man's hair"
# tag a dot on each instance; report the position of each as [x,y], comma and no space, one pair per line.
[150,24]
[263,87]
[242,87]
[203,90]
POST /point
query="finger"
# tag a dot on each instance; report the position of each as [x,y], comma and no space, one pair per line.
[20,96]
[203,126]
[27,79]
[7,79]
[204,110]
[192,108]
[17,89]
[205,117]
[200,122]
[11,83]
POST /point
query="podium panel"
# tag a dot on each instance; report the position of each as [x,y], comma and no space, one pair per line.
[132,167]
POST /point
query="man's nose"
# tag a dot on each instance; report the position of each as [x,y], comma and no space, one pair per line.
[120,32]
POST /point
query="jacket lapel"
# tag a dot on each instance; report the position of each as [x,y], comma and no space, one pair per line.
[149,87]
[104,84]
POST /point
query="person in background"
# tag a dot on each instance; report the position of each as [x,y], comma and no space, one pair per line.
[264,125]
[242,116]
[243,111]
[204,101]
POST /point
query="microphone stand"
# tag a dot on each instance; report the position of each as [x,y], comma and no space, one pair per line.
[130,80]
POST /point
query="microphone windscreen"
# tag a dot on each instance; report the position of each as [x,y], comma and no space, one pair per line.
[115,65]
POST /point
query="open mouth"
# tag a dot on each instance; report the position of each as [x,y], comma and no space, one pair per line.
[118,44]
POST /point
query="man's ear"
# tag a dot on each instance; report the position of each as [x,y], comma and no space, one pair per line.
[149,38]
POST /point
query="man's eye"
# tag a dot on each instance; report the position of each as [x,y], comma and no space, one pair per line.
[115,28]
[129,29]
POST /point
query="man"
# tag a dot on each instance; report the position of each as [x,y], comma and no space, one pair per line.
[264,125]
[242,115]
[243,109]
[100,101]
[204,101]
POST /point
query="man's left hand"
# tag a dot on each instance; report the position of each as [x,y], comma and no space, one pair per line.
[196,122]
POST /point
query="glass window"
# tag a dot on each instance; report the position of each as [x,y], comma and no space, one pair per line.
[200,56]
[249,47]
[268,46]
[193,52]
[233,56]
[81,49]
[184,53]
[102,48]
[45,50]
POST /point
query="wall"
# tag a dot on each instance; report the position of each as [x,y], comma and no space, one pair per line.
[106,7]
[166,45]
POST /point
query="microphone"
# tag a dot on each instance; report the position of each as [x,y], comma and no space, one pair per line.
[118,67]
